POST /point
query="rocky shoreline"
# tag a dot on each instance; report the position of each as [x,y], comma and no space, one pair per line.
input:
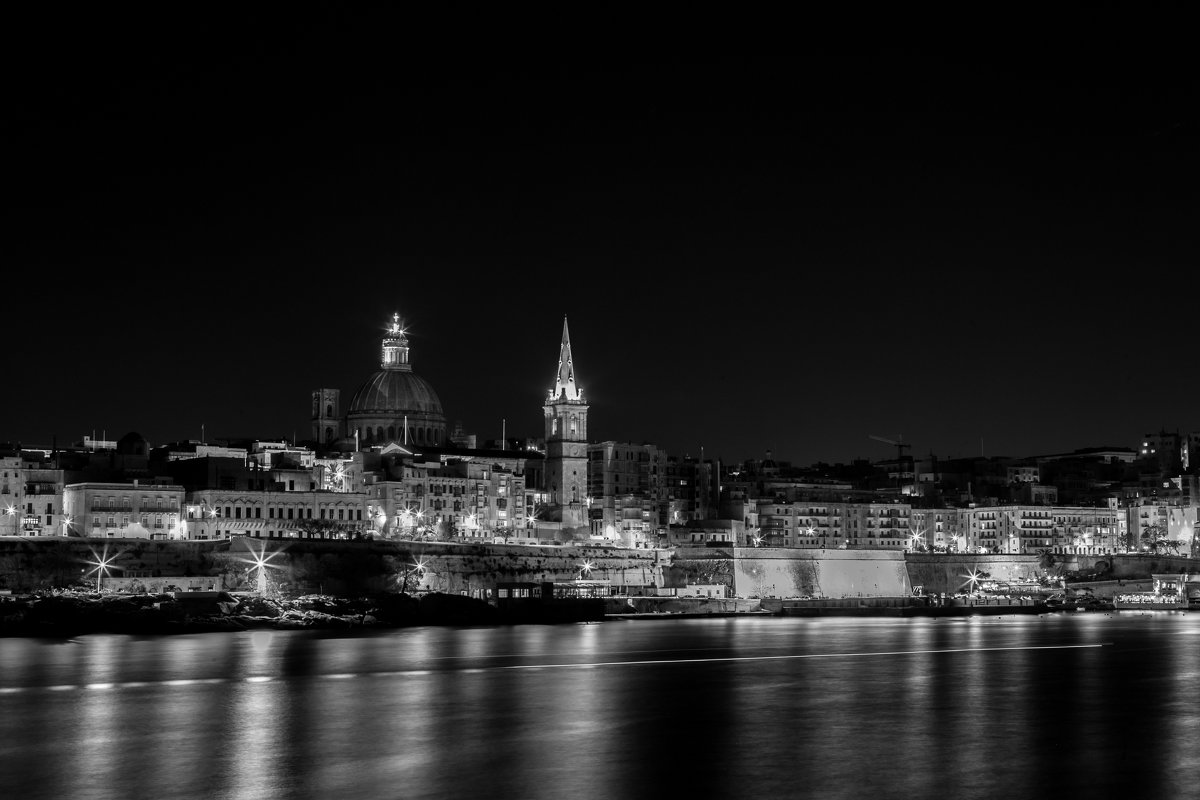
[63,614]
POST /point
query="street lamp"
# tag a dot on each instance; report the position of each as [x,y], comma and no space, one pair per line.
[11,511]
[420,567]
[260,561]
[101,565]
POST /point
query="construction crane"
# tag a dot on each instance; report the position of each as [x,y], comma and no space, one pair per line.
[900,445]
[898,441]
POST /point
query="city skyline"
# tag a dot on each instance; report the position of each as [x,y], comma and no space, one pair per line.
[789,254]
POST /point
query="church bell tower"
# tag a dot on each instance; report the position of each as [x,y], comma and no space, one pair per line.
[566,443]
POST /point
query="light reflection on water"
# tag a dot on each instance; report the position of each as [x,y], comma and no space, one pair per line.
[1055,705]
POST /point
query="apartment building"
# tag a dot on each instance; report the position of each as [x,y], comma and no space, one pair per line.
[223,513]
[124,510]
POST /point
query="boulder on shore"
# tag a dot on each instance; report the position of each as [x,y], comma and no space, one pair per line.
[63,614]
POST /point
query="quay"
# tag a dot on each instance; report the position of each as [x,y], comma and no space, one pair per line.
[670,608]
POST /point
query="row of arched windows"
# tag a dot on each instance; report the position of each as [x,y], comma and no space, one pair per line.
[392,433]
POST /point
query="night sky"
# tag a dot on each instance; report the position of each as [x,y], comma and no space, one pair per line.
[783,254]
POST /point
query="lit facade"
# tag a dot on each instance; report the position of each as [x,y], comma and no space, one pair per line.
[1017,530]
[464,500]
[37,503]
[221,514]
[125,510]
[626,492]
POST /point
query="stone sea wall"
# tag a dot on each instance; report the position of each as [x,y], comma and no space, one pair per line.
[353,568]
[781,572]
[334,567]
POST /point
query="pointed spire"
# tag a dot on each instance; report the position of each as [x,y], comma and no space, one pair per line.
[564,382]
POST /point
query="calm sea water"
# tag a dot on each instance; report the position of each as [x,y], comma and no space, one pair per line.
[1059,705]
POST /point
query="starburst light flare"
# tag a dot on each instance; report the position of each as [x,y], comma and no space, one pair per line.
[260,561]
[103,562]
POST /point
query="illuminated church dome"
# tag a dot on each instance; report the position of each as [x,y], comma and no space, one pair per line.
[395,404]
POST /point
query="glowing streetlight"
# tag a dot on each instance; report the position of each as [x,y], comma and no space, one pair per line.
[973,578]
[916,537]
[261,562]
[411,520]
[420,568]
[101,565]
[585,569]
[11,511]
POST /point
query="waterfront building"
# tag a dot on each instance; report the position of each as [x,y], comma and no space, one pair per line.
[213,513]
[820,525]
[707,533]
[1014,529]
[33,502]
[692,489]
[449,495]
[132,510]
[877,526]
[1152,521]
[12,495]
[626,493]
[935,529]
[492,499]
[1182,526]
[779,523]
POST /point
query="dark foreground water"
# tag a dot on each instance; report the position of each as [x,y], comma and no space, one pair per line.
[1058,705]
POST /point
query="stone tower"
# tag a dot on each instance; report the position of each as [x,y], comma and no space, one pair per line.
[326,416]
[566,445]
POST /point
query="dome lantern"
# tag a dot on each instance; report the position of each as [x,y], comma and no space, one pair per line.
[395,347]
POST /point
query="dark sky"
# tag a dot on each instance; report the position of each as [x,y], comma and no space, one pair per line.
[754,253]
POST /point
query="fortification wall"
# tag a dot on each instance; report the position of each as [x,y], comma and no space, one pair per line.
[359,567]
[326,566]
[779,572]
